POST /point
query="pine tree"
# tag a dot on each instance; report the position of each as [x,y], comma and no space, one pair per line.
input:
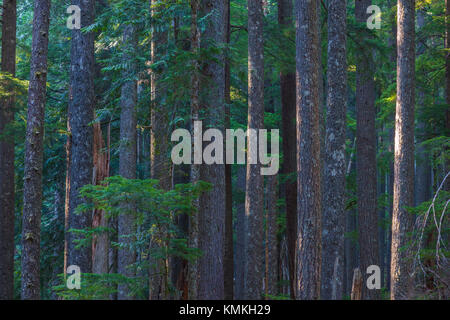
[32,196]
[254,204]
[127,160]
[81,115]
[288,102]
[366,143]
[335,165]
[402,220]
[309,211]
[7,105]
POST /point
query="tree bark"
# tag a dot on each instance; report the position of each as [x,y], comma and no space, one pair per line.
[213,203]
[335,166]
[193,275]
[159,144]
[308,253]
[100,242]
[271,264]
[7,105]
[228,260]
[81,114]
[241,236]
[402,220]
[32,198]
[254,206]
[127,161]
[423,161]
[366,171]
[288,100]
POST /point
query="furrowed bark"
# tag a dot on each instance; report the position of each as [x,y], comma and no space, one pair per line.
[308,245]
[81,114]
[335,166]
[254,205]
[402,220]
[32,197]
[7,105]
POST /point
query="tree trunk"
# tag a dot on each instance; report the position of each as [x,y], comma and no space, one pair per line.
[160,167]
[447,67]
[287,83]
[308,253]
[100,243]
[193,275]
[228,271]
[402,220]
[7,106]
[423,161]
[271,264]
[127,161]
[366,171]
[32,197]
[81,113]
[213,203]
[254,205]
[335,166]
[241,236]
[357,286]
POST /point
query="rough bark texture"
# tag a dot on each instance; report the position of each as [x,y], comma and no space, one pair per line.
[357,285]
[212,203]
[8,64]
[193,275]
[254,205]
[402,220]
[159,134]
[308,245]
[271,264]
[335,167]
[239,270]
[288,100]
[366,171]
[32,194]
[100,243]
[81,113]
[127,161]
[228,271]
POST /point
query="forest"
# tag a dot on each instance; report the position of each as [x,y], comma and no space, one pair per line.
[225,150]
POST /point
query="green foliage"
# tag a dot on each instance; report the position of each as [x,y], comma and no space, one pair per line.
[154,211]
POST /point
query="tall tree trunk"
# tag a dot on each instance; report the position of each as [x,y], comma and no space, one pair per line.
[271,263]
[8,64]
[100,242]
[447,67]
[81,113]
[402,220]
[193,275]
[127,161]
[241,236]
[254,204]
[228,271]
[160,167]
[335,167]
[366,171]
[308,246]
[287,83]
[32,196]
[213,203]
[423,161]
